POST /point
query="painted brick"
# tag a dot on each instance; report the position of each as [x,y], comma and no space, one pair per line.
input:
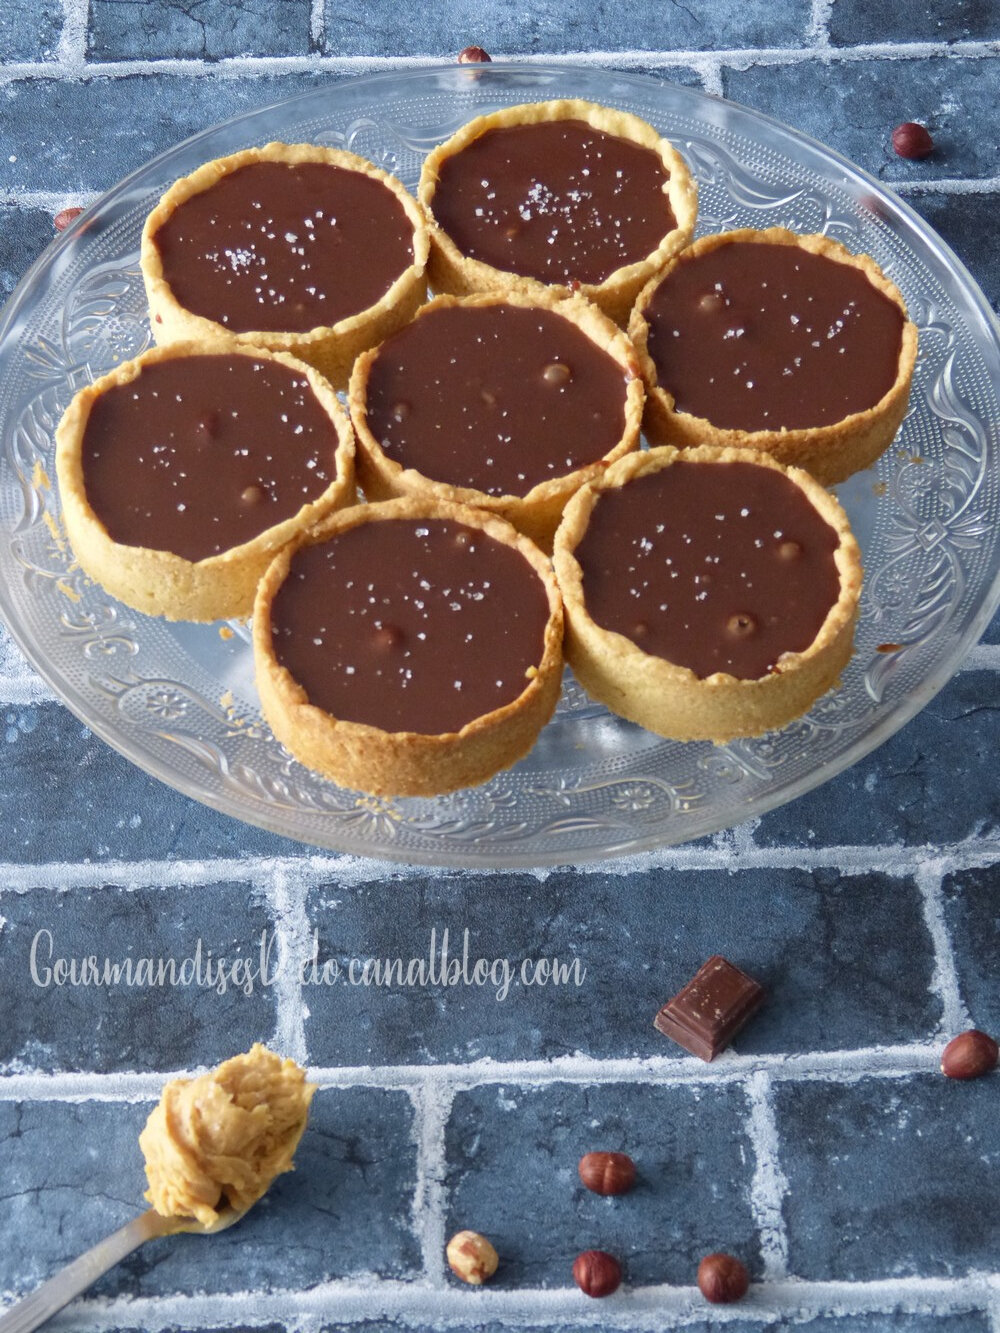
[512,1173]
[972,912]
[860,21]
[426,28]
[114,1027]
[86,134]
[73,1173]
[211,30]
[30,29]
[108,808]
[24,234]
[637,940]
[905,791]
[853,105]
[968,222]
[889,1178]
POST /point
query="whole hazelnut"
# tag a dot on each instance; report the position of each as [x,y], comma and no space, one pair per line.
[912,140]
[969,1055]
[597,1273]
[471,1257]
[607,1172]
[722,1278]
[474,55]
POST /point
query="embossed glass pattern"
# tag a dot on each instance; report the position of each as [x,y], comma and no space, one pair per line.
[179,700]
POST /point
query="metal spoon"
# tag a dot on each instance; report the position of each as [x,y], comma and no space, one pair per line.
[59,1290]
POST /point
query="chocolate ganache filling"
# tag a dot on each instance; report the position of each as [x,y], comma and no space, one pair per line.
[498,398]
[712,566]
[275,247]
[754,336]
[555,201]
[410,625]
[199,454]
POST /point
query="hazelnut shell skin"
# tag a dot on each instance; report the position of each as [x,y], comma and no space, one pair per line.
[722,1278]
[969,1055]
[607,1172]
[597,1273]
[912,140]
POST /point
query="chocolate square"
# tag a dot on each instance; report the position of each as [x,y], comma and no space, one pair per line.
[707,1013]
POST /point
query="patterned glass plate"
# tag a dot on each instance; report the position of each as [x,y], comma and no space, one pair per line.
[179,700]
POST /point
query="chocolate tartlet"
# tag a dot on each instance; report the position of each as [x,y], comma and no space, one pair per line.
[773,341]
[709,593]
[293,247]
[565,196]
[501,402]
[411,648]
[182,474]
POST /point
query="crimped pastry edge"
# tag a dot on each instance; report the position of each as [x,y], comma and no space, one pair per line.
[162,583]
[671,700]
[831,453]
[333,349]
[452,271]
[384,763]
[538,511]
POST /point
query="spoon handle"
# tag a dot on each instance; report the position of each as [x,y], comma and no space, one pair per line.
[59,1290]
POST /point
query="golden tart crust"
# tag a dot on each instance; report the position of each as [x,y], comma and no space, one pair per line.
[538,511]
[831,452]
[452,271]
[332,350]
[672,700]
[160,582]
[407,763]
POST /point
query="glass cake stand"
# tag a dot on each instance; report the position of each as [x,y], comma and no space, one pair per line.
[179,700]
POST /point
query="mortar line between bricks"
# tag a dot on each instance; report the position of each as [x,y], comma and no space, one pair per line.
[768,1184]
[984,657]
[944,980]
[432,1103]
[819,24]
[415,1304]
[346,871]
[72,45]
[845,1066]
[317,23]
[293,934]
[238,66]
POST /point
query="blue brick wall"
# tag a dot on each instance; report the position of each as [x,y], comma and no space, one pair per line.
[211,30]
[825,1148]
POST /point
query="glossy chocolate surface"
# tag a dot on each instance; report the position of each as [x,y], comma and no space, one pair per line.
[712,566]
[202,453]
[410,625]
[555,201]
[498,398]
[274,247]
[759,337]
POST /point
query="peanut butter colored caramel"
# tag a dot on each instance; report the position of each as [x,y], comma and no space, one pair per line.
[410,625]
[221,1139]
[200,454]
[281,247]
[557,201]
[768,337]
[499,398]
[711,566]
